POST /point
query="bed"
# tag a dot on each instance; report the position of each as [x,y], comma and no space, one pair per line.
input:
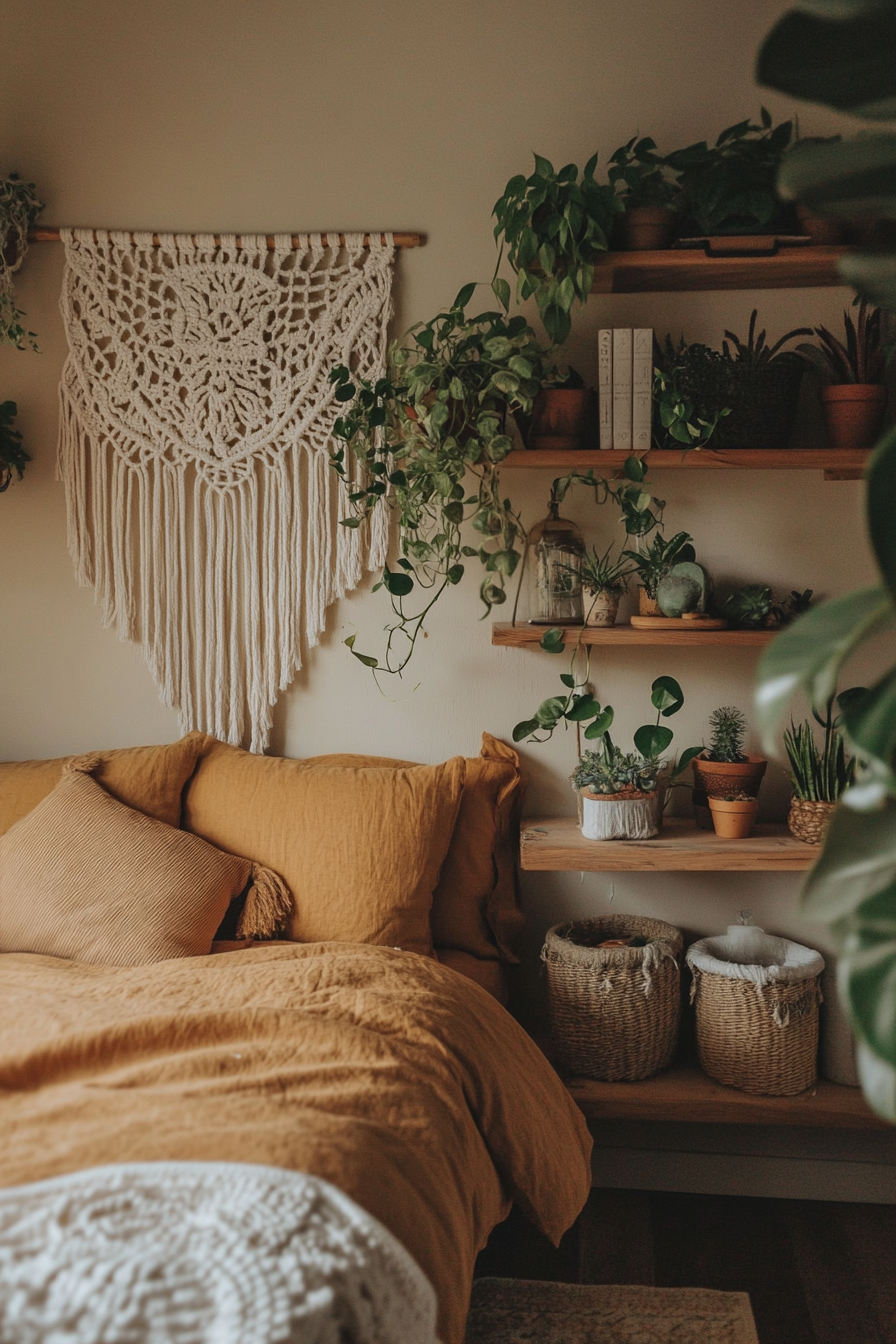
[355,1059]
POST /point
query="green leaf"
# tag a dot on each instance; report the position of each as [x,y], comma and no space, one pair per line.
[635,469]
[399,585]
[568,679]
[870,722]
[350,522]
[600,725]
[552,641]
[667,696]
[464,295]
[501,290]
[881,507]
[583,707]
[850,64]
[525,729]
[550,711]
[361,657]
[851,177]
[652,739]
[872,273]
[878,1079]
[858,861]
[811,651]
[455,574]
[344,392]
[867,971]
[685,759]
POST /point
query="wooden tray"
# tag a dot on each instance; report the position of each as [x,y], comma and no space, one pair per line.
[678,623]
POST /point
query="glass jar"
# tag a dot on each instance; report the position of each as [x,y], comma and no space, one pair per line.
[554,555]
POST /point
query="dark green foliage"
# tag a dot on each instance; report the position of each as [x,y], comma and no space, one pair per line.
[819,776]
[642,177]
[654,562]
[13,456]
[553,226]
[729,187]
[19,208]
[864,356]
[749,607]
[727,734]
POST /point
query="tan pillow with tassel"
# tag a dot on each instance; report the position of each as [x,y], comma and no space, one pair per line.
[84,877]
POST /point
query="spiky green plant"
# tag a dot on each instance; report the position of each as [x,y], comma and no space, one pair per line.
[819,776]
[728,731]
[864,357]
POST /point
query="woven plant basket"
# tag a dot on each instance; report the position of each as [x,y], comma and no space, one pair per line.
[760,1038]
[614,1010]
[808,820]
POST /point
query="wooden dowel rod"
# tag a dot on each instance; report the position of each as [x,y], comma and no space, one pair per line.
[400,239]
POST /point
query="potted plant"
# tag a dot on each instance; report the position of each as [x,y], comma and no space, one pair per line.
[678,419]
[19,208]
[648,192]
[410,439]
[553,226]
[562,413]
[818,777]
[729,187]
[653,562]
[13,456]
[758,384]
[604,581]
[853,396]
[733,815]
[724,767]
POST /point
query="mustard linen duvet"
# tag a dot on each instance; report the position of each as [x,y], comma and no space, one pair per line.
[394,1078]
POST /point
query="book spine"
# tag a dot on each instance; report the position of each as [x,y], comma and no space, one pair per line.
[605,385]
[622,388]
[642,388]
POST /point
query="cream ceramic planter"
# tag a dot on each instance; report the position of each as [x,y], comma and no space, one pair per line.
[620,818]
[601,609]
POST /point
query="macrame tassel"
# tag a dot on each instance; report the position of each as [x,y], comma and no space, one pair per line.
[84,765]
[268,905]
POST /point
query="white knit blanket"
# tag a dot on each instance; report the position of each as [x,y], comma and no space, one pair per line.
[202,1253]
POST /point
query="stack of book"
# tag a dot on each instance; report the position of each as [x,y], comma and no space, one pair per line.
[625,387]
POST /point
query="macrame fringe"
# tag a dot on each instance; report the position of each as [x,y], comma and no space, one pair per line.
[224,572]
[268,905]
[85,764]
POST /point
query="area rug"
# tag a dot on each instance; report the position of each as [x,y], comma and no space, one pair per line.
[525,1311]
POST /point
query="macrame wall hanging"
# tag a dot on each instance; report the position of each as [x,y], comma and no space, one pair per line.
[195,428]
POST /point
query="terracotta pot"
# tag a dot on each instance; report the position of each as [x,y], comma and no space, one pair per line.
[823,229]
[854,413]
[601,609]
[734,820]
[561,418]
[647,228]
[723,777]
[647,606]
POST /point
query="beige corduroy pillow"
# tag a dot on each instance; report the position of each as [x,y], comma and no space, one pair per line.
[84,877]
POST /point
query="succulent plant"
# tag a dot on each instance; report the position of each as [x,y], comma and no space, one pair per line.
[728,730]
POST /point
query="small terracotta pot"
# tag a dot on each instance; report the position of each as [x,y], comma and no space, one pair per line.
[561,418]
[601,609]
[647,606]
[647,228]
[854,413]
[733,820]
[723,777]
[823,229]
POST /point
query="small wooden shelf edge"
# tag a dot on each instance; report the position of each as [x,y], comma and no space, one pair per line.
[678,269]
[837,464]
[525,636]
[556,844]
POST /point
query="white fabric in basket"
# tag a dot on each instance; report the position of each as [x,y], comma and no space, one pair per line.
[785,962]
[202,1253]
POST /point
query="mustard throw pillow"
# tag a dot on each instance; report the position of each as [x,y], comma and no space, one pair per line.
[86,878]
[475,906]
[151,779]
[360,850]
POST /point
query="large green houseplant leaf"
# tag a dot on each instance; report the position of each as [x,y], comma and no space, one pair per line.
[843,53]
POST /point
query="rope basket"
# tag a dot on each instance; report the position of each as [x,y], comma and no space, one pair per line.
[614,1010]
[759,1034]
[808,821]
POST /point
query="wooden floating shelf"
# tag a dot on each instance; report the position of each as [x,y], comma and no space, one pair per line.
[838,464]
[685,1093]
[625,636]
[686,268]
[556,844]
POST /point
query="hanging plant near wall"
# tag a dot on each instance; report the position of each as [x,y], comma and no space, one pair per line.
[440,413]
[19,208]
[13,455]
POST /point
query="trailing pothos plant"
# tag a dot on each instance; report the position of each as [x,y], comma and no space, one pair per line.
[553,226]
[13,455]
[19,208]
[843,53]
[409,440]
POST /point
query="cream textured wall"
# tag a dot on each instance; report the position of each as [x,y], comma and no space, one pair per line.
[372,113]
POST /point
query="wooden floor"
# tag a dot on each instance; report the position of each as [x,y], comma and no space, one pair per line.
[816,1273]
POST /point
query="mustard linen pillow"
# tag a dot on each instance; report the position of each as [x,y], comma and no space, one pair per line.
[475,906]
[86,878]
[360,850]
[151,779]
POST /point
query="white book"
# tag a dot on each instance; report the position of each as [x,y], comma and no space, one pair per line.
[605,386]
[642,388]
[622,388]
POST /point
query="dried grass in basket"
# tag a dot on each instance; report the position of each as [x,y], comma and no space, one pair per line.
[808,820]
[759,1038]
[614,1011]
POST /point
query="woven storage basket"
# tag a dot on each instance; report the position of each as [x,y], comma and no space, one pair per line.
[758,1034]
[809,821]
[614,1010]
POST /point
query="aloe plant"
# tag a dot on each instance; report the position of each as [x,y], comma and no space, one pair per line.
[864,356]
